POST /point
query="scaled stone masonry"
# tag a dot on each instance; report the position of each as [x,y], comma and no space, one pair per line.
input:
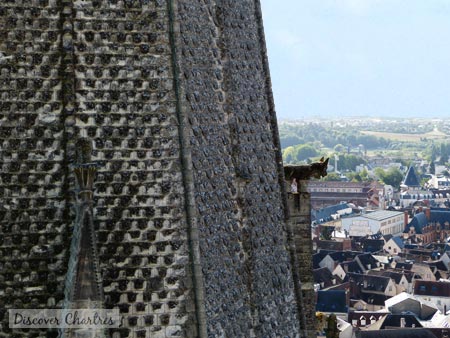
[189,206]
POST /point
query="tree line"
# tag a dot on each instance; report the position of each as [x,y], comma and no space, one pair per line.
[328,136]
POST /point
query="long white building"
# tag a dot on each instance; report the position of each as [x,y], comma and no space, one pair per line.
[384,221]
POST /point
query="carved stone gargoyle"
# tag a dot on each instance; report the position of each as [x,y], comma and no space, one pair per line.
[306,171]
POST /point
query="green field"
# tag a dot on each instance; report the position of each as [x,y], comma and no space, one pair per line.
[433,135]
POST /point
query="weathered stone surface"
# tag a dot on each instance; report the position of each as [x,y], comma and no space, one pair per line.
[238,195]
[188,204]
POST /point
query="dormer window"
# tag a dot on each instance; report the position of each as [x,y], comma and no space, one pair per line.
[363,321]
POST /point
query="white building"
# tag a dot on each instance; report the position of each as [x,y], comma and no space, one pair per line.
[384,221]
[437,293]
[394,246]
[439,182]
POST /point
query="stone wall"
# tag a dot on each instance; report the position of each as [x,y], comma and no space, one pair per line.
[299,225]
[175,97]
[247,276]
[34,208]
[101,70]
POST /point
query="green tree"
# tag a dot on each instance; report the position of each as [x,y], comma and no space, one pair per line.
[339,148]
[362,176]
[332,177]
[365,175]
[392,176]
[289,154]
[305,151]
[349,162]
[354,177]
[290,140]
[326,233]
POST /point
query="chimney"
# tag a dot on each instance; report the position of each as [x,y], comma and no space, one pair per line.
[406,217]
[428,213]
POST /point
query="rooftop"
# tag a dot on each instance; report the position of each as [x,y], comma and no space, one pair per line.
[411,179]
[382,215]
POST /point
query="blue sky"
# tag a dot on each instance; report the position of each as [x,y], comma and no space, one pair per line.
[332,58]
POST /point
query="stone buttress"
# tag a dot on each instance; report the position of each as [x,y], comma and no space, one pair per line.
[188,204]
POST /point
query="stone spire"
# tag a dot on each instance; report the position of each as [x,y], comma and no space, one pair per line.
[83,287]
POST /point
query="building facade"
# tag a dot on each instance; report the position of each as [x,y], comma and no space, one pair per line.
[327,193]
[383,221]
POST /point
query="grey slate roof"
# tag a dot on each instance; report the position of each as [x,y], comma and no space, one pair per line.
[403,265]
[395,275]
[419,221]
[440,216]
[351,266]
[431,288]
[396,320]
[342,256]
[397,333]
[366,261]
[331,301]
[317,258]
[370,283]
[440,265]
[325,213]
[323,275]
[366,315]
[411,179]
[380,215]
[397,240]
[372,245]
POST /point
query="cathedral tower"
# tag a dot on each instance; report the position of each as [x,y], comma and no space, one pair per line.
[188,203]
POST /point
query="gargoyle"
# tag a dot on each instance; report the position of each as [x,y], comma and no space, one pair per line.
[306,171]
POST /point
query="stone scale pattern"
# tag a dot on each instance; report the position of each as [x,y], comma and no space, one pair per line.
[246,268]
[125,103]
[33,204]
[102,70]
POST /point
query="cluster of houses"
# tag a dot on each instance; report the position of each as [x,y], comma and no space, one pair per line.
[377,291]
[383,272]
